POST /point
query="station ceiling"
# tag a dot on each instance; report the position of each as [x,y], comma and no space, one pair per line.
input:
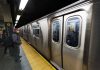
[36,9]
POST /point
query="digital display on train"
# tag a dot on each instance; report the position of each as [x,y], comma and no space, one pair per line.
[72,34]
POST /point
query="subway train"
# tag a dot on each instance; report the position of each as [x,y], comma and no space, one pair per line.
[69,37]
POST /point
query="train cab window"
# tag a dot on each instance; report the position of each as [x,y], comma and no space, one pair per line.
[36,31]
[73,28]
[55,28]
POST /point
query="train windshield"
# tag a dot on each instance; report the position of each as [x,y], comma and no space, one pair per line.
[36,32]
[72,34]
[36,29]
[55,28]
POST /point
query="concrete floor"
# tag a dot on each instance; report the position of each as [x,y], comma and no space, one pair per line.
[8,63]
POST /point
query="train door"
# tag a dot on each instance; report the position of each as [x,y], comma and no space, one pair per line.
[73,40]
[56,35]
[36,35]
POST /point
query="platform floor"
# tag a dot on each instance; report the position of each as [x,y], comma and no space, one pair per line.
[37,62]
[8,63]
[31,59]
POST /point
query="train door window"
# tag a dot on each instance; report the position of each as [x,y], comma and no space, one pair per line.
[72,30]
[55,30]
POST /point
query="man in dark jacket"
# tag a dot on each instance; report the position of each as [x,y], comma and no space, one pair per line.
[7,41]
[16,44]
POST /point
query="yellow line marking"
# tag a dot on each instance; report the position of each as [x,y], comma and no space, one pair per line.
[36,61]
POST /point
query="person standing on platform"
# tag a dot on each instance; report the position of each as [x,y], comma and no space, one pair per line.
[16,44]
[7,42]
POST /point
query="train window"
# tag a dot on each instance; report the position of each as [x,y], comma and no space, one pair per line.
[36,32]
[56,27]
[73,28]
[33,31]
[36,29]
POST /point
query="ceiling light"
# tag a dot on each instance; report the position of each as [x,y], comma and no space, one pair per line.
[18,17]
[22,4]
[16,21]
[15,24]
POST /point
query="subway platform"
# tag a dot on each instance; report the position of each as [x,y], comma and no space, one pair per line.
[30,60]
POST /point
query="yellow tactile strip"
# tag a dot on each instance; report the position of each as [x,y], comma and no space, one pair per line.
[36,61]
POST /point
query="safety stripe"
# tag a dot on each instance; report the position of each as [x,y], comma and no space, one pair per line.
[37,62]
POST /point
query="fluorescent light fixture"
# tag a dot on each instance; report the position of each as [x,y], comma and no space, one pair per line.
[18,17]
[16,21]
[15,24]
[22,4]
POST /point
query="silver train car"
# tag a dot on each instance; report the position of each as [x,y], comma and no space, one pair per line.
[68,38]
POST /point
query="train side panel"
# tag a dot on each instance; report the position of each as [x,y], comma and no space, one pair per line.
[44,37]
